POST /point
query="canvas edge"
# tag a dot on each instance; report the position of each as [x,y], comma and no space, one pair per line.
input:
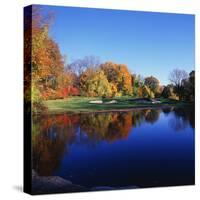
[27,162]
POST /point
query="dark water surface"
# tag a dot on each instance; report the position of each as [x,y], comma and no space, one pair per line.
[144,148]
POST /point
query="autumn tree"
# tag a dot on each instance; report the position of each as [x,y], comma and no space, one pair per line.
[152,83]
[95,83]
[119,75]
[68,84]
[84,78]
[82,69]
[168,92]
[146,92]
[137,83]
[46,61]
[34,33]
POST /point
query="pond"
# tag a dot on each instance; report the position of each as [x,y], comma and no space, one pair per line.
[141,148]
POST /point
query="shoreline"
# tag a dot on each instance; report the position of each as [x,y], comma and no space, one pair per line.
[57,184]
[136,108]
[78,105]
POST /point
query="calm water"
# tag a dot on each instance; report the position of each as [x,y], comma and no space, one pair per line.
[150,147]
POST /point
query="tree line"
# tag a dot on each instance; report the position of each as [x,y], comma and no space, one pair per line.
[53,78]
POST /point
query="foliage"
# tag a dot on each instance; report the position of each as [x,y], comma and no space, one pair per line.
[118,75]
[80,65]
[168,91]
[35,94]
[47,64]
[87,75]
[189,87]
[70,91]
[47,75]
[138,85]
[153,84]
[183,85]
[177,78]
[146,92]
[97,85]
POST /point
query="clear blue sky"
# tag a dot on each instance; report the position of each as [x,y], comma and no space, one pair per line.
[148,43]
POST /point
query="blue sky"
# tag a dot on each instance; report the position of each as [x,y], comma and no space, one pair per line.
[148,43]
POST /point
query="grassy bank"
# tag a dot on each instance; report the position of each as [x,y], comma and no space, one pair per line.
[81,104]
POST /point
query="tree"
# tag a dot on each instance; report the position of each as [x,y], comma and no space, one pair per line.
[192,85]
[67,84]
[84,78]
[177,77]
[100,85]
[113,89]
[95,83]
[125,80]
[168,91]
[137,84]
[46,61]
[146,92]
[35,33]
[119,75]
[152,83]
[80,65]
[189,87]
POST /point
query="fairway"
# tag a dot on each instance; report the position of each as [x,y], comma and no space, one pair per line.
[81,104]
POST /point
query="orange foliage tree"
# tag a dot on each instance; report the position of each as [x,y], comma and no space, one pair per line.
[48,74]
[118,75]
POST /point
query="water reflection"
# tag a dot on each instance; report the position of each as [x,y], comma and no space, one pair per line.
[53,135]
[152,115]
[187,114]
[49,143]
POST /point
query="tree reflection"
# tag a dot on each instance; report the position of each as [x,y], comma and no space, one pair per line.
[183,116]
[167,110]
[107,126]
[52,135]
[49,144]
[177,123]
[152,115]
[187,113]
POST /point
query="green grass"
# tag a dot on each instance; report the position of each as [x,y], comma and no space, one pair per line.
[81,104]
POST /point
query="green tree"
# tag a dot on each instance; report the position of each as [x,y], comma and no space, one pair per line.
[137,84]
